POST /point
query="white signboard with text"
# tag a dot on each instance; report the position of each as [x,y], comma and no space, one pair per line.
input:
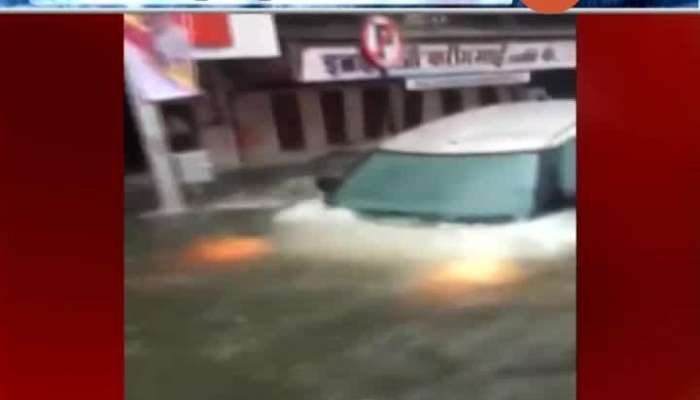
[326,63]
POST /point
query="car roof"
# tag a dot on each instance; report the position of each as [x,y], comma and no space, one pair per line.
[509,127]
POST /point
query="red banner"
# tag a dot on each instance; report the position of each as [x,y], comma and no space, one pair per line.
[157,50]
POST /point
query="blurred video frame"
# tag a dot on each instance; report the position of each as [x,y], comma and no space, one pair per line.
[350,206]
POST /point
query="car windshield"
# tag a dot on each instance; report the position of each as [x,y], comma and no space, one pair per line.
[493,187]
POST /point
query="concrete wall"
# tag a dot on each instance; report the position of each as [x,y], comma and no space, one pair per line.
[531,93]
[354,114]
[470,98]
[505,94]
[256,128]
[312,120]
[220,143]
[432,105]
[218,136]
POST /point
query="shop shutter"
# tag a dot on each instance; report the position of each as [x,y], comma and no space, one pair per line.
[334,116]
[290,131]
[375,103]
[413,113]
[451,101]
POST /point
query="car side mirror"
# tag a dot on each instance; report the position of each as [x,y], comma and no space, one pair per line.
[328,184]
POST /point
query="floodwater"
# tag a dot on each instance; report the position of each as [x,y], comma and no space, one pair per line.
[214,311]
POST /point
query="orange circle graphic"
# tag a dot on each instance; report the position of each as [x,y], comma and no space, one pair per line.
[550,6]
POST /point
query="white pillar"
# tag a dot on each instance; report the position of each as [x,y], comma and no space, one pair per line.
[504,94]
[313,125]
[225,135]
[470,98]
[354,114]
[522,93]
[152,132]
[257,129]
[396,101]
[221,146]
[432,105]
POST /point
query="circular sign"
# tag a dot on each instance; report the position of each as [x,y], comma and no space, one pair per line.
[382,44]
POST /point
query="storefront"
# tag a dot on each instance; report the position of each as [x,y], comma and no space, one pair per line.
[171,121]
[276,90]
[323,95]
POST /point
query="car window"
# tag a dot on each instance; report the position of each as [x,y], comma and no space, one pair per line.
[459,186]
[567,168]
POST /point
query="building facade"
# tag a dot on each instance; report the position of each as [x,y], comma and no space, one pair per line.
[321,95]
[303,88]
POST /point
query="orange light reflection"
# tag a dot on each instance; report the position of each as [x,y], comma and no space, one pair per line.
[463,281]
[229,250]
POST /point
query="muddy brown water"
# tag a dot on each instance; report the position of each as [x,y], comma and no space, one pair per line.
[266,326]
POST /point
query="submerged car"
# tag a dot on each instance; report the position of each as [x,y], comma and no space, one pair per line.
[498,181]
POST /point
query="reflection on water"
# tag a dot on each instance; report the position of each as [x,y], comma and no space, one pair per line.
[478,272]
[215,310]
[230,250]
[464,282]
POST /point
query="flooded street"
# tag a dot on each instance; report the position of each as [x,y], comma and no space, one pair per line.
[395,223]
[215,311]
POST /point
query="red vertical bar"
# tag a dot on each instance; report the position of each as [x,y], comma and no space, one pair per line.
[639,207]
[61,207]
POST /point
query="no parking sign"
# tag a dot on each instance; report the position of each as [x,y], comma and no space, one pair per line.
[382,43]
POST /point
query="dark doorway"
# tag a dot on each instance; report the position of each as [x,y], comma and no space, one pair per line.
[488,95]
[181,125]
[558,83]
[413,109]
[451,101]
[290,131]
[375,103]
[134,156]
[333,110]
